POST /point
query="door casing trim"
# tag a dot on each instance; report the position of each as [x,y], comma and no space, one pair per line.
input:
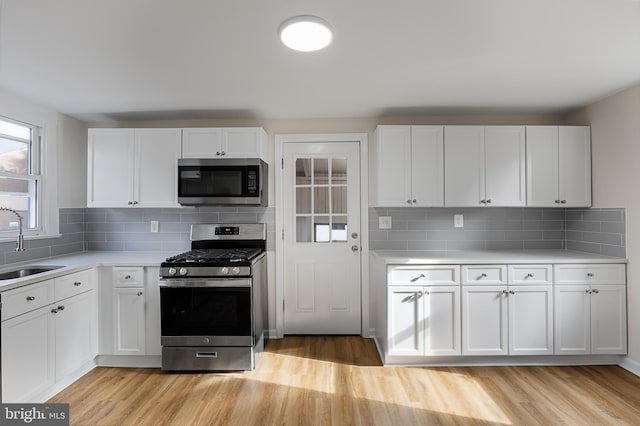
[362,140]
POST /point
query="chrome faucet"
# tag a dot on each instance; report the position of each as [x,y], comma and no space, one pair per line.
[20,241]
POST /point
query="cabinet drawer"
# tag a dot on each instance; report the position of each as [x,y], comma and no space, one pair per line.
[128,276]
[432,275]
[72,284]
[484,274]
[27,298]
[530,274]
[590,274]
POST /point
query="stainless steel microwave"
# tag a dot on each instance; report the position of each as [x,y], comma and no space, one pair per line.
[222,182]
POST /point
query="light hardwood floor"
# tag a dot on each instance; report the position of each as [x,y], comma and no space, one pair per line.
[340,381]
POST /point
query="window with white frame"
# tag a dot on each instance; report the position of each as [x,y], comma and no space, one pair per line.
[20,179]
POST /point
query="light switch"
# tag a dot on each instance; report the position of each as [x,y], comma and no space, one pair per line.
[154,226]
[384,222]
[458,222]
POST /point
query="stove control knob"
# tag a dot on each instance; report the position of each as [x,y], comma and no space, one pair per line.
[224,271]
[235,271]
[172,271]
[183,271]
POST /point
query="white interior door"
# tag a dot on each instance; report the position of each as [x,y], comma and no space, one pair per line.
[322,278]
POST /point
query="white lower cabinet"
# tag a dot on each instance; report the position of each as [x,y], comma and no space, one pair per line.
[131,321]
[484,320]
[591,319]
[128,321]
[507,320]
[27,355]
[424,320]
[590,309]
[423,310]
[47,345]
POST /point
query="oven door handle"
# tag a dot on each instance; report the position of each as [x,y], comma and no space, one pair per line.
[205,282]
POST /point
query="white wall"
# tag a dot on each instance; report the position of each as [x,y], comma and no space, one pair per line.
[615,140]
[72,162]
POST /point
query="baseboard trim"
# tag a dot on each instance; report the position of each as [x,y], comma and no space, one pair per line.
[631,365]
[129,361]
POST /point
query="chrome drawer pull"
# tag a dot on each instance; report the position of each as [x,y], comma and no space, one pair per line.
[77,283]
[127,277]
[30,298]
[529,276]
[206,354]
[417,278]
[590,274]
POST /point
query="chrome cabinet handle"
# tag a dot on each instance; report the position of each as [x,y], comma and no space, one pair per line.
[413,280]
[488,201]
[414,201]
[563,201]
[77,283]
[139,293]
[54,311]
[512,292]
[61,308]
[529,276]
[127,277]
[557,201]
[426,292]
[588,291]
[408,201]
[483,275]
[223,153]
[505,292]
[590,274]
[483,201]
[595,290]
[130,203]
[30,298]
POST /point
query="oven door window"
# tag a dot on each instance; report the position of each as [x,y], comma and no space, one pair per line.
[205,311]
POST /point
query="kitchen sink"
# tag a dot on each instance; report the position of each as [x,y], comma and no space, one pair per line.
[27,271]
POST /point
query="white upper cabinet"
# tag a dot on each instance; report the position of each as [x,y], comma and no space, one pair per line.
[484,166]
[133,167]
[409,166]
[558,166]
[227,142]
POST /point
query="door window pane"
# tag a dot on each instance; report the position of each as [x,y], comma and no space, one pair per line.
[321,199]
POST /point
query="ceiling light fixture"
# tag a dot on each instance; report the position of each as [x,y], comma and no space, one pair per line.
[306,33]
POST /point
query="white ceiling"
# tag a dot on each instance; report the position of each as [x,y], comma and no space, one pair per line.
[95,59]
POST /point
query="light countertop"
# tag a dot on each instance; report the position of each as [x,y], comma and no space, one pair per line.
[410,257]
[77,262]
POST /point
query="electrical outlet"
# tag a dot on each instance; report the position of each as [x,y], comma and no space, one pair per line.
[384,222]
[154,226]
[458,222]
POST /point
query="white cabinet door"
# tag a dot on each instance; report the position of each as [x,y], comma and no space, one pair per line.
[427,166]
[463,166]
[27,355]
[484,320]
[110,168]
[558,166]
[504,155]
[392,150]
[404,322]
[156,167]
[74,323]
[244,142]
[574,166]
[542,166]
[201,142]
[530,320]
[572,319]
[608,319]
[442,320]
[128,321]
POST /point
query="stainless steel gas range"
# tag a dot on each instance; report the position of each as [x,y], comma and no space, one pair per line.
[213,300]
